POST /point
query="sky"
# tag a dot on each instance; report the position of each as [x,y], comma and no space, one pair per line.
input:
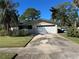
[42,5]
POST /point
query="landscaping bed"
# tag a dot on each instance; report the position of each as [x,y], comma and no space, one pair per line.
[7,41]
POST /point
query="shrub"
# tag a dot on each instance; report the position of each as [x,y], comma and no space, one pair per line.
[23,32]
[1,27]
[77,33]
[14,33]
[73,32]
[3,33]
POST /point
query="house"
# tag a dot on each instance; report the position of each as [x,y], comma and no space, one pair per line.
[43,27]
[40,27]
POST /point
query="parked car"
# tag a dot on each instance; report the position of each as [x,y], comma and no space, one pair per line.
[61,30]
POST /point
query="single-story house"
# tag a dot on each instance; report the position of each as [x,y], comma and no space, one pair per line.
[41,27]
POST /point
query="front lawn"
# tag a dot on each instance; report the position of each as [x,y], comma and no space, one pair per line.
[6,41]
[7,55]
[74,39]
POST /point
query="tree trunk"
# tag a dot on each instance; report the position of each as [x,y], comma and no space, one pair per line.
[54,21]
[6,27]
[75,24]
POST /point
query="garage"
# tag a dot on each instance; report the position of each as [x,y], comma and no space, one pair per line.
[46,28]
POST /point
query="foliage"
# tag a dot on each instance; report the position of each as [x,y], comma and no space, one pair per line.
[77,33]
[9,14]
[15,32]
[23,32]
[66,14]
[54,14]
[19,32]
[73,32]
[3,33]
[22,17]
[31,14]
[77,23]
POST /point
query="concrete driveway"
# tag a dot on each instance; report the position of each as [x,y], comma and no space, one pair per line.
[49,46]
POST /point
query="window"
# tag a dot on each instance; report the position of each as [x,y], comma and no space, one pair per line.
[29,26]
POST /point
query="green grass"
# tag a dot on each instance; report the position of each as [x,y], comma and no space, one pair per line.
[7,55]
[6,41]
[74,39]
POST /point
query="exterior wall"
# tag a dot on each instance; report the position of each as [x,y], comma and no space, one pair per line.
[47,29]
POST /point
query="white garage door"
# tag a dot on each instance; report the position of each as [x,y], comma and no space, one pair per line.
[47,29]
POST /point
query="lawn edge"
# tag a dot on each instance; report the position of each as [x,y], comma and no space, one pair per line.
[14,56]
[28,41]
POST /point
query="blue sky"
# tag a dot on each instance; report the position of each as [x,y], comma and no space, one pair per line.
[42,5]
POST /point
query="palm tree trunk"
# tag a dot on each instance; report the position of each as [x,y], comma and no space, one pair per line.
[54,21]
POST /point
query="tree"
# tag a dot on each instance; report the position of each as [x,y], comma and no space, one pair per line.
[22,17]
[67,14]
[58,14]
[9,13]
[54,14]
[31,14]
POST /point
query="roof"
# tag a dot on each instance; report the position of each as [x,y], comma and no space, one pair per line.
[45,23]
[35,22]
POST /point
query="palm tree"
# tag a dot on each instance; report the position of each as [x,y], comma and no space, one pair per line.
[65,13]
[58,14]
[54,14]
